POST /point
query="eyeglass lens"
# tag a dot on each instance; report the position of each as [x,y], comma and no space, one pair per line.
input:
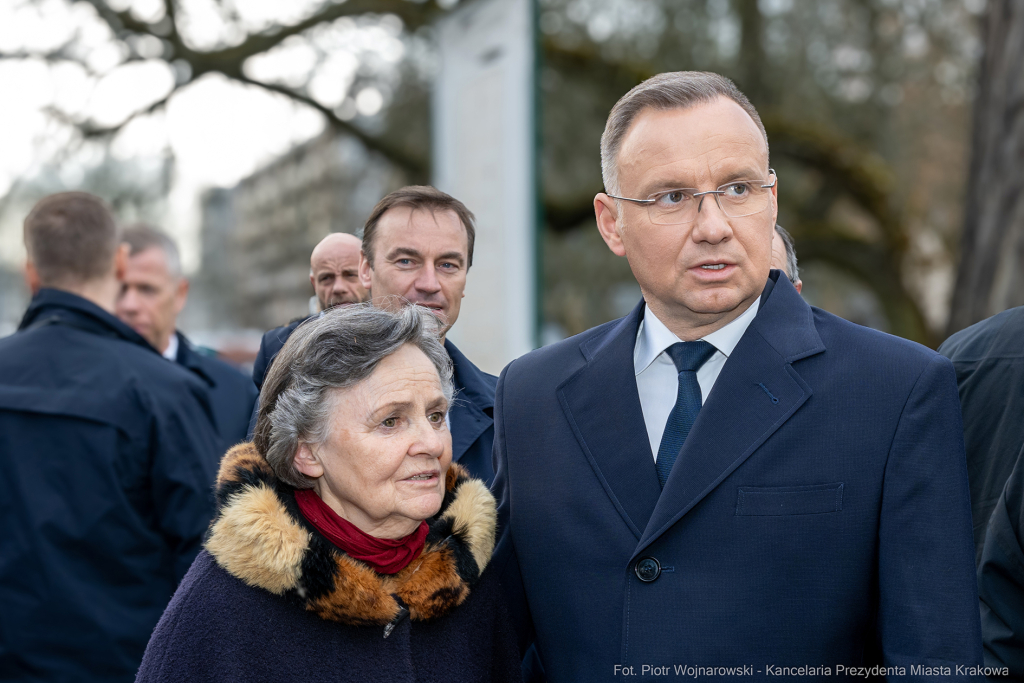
[735,200]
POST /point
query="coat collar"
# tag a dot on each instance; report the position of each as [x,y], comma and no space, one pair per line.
[55,306]
[472,411]
[757,391]
[259,536]
[471,380]
[609,424]
[189,358]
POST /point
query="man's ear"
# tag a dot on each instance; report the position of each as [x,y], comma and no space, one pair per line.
[306,461]
[181,295]
[32,279]
[799,284]
[121,261]
[607,215]
[365,271]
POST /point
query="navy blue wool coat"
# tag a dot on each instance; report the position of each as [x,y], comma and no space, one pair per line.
[273,600]
[232,394]
[107,452]
[817,515]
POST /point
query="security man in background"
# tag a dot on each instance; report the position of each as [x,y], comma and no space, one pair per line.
[108,457]
[152,296]
[334,274]
[418,248]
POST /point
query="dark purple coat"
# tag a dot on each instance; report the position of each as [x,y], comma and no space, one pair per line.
[307,612]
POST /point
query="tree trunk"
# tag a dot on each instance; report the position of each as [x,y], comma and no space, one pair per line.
[990,278]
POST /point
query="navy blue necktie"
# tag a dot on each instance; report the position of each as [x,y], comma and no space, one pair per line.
[688,357]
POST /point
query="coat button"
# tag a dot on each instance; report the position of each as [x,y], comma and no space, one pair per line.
[647,569]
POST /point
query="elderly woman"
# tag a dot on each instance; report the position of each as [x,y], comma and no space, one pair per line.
[347,546]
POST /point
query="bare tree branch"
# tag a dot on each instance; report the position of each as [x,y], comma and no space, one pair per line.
[412,14]
[416,167]
[91,131]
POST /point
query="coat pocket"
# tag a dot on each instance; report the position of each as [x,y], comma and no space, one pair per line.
[771,501]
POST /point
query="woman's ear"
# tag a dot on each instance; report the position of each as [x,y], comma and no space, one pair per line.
[306,461]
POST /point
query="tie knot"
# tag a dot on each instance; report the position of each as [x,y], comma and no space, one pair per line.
[689,356]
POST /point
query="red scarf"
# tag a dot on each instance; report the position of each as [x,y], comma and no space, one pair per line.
[386,556]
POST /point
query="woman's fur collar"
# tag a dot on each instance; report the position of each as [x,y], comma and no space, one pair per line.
[259,537]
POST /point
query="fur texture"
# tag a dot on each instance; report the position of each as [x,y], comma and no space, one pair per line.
[260,537]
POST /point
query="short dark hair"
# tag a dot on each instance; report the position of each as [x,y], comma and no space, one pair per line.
[141,237]
[792,271]
[666,91]
[418,197]
[71,238]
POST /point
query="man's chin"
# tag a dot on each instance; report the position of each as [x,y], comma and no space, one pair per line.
[337,304]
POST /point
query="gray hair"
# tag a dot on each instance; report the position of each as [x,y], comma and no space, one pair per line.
[672,90]
[141,237]
[335,351]
[791,270]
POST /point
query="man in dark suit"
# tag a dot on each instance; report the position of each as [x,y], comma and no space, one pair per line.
[418,248]
[727,477]
[108,457]
[989,362]
[334,274]
[153,294]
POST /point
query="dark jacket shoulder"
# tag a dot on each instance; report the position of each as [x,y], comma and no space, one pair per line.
[270,345]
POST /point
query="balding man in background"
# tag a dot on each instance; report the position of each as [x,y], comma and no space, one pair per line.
[784,257]
[153,295]
[108,457]
[334,274]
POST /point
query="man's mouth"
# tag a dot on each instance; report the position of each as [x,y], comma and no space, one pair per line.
[714,266]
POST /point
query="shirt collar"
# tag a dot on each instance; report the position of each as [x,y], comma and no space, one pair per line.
[171,352]
[653,337]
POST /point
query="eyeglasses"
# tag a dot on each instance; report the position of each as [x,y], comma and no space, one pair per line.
[736,199]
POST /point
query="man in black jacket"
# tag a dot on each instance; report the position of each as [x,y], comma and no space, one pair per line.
[108,457]
[989,362]
[153,295]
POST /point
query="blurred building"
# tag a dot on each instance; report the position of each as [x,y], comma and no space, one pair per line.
[256,237]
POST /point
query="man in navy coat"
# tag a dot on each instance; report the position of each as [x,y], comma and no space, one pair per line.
[153,294]
[727,477]
[108,456]
[418,248]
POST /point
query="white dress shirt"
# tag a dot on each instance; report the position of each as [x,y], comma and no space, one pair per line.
[657,379]
[171,352]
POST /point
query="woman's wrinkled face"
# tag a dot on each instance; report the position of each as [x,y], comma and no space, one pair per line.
[383,465]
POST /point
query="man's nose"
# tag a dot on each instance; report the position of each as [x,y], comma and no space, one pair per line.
[127,302]
[427,281]
[711,224]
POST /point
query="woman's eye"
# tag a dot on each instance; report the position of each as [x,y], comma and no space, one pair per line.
[390,422]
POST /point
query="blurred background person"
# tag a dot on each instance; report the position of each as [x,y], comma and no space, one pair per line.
[109,453]
[153,294]
[989,361]
[784,257]
[418,248]
[334,274]
[348,547]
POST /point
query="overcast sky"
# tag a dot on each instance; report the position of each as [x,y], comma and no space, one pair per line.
[218,131]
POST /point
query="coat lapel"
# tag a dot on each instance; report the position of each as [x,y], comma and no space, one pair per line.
[602,406]
[475,397]
[756,392]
